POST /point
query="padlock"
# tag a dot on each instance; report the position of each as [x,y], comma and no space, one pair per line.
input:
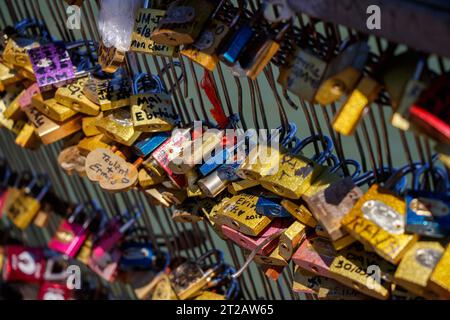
[378,220]
[416,267]
[271,207]
[170,149]
[273,259]
[192,211]
[209,296]
[17,55]
[191,277]
[72,97]
[252,242]
[137,256]
[24,264]
[343,73]
[206,48]
[428,214]
[52,66]
[146,22]
[430,113]
[330,198]
[444,154]
[50,131]
[163,289]
[43,217]
[27,205]
[52,109]
[344,242]
[213,185]
[303,74]
[27,138]
[260,51]
[153,112]
[118,126]
[72,232]
[2,257]
[239,213]
[88,125]
[183,22]
[107,266]
[260,162]
[89,144]
[300,212]
[236,187]
[439,281]
[291,239]
[353,110]
[85,251]
[110,58]
[8,76]
[54,291]
[113,94]
[404,82]
[293,177]
[13,111]
[149,179]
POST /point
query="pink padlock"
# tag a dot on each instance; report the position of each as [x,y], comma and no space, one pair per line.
[315,255]
[250,243]
[71,235]
[106,267]
[24,264]
[27,95]
[54,291]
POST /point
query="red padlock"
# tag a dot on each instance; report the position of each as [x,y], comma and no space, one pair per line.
[24,264]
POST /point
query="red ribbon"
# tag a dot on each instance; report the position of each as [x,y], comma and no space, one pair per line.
[217,110]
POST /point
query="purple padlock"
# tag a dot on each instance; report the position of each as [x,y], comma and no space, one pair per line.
[51,65]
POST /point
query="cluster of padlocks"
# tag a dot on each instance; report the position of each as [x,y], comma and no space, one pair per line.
[269,196]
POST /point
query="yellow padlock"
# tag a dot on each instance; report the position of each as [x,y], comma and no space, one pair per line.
[439,281]
[118,126]
[27,138]
[89,144]
[72,96]
[52,109]
[290,239]
[300,212]
[88,125]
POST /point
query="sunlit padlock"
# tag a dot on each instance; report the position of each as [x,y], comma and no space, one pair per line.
[52,109]
[73,232]
[153,112]
[27,138]
[24,264]
[214,184]
[260,51]
[291,239]
[252,242]
[85,251]
[118,126]
[183,22]
[206,48]
[88,125]
[17,55]
[72,96]
[89,144]
[300,212]
[191,277]
[238,186]
[239,213]
[149,178]
[343,73]
[117,93]
[146,22]
[44,216]
[8,76]
[273,259]
[27,205]
[430,113]
[378,220]
[404,81]
[303,74]
[439,281]
[416,267]
[353,110]
[50,131]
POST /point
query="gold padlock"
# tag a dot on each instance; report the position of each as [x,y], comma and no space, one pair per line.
[343,73]
[293,177]
[236,187]
[378,220]
[290,239]
[146,22]
[208,295]
[97,91]
[17,55]
[260,162]
[27,138]
[89,144]
[52,109]
[72,96]
[183,22]
[300,212]
[13,110]
[416,267]
[8,76]
[114,94]
[274,259]
[352,111]
[162,289]
[110,59]
[85,251]
[118,126]
[239,213]
[149,178]
[303,74]
[344,242]
[42,218]
[153,112]
[204,50]
[439,281]
[88,125]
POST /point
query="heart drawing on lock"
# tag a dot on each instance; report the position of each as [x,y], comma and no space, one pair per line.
[112,172]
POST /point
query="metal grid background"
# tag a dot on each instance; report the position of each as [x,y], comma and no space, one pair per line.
[260,104]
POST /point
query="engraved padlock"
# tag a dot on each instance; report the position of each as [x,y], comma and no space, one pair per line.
[72,97]
[117,125]
[52,109]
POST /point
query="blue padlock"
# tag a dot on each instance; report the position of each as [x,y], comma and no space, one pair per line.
[147,146]
[268,207]
[137,256]
[236,44]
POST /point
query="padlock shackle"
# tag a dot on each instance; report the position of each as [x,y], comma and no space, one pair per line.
[324,155]
[348,162]
[436,171]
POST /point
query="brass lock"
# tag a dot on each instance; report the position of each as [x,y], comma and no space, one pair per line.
[85,251]
[153,112]
[439,281]
[89,144]
[236,187]
[72,96]
[163,289]
[8,76]
[260,162]
[147,21]
[118,126]
[27,138]
[114,94]
[352,111]
[378,220]
[110,59]
[416,267]
[52,109]
[300,212]
[13,111]
[88,125]
[208,295]
[149,178]
[205,50]
[183,22]
[17,56]
[290,239]
[274,259]
[239,213]
[293,177]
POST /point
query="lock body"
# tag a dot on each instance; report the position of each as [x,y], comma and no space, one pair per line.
[52,109]
[24,264]
[110,58]
[23,210]
[188,279]
[72,97]
[88,126]
[439,281]
[89,144]
[300,212]
[27,138]
[257,56]
[290,239]
[118,126]
[153,112]
[69,238]
[378,221]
